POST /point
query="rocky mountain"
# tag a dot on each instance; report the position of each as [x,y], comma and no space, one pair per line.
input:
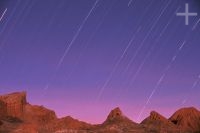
[116,116]
[18,116]
[156,118]
[156,123]
[117,122]
[187,119]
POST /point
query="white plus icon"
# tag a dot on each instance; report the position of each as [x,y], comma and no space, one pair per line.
[186,14]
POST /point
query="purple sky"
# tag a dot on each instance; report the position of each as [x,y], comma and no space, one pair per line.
[84,57]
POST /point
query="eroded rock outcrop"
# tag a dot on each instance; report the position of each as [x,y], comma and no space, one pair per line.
[38,114]
[187,119]
[70,123]
[157,119]
[3,109]
[118,122]
[116,115]
[14,103]
[18,116]
[157,123]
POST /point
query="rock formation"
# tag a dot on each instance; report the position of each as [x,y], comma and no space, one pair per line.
[14,103]
[18,116]
[156,122]
[70,123]
[117,122]
[156,118]
[38,114]
[116,115]
[3,109]
[187,119]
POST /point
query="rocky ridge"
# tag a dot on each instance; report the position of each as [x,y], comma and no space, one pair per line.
[18,116]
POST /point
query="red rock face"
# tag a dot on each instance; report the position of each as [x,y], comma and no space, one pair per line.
[156,118]
[187,118]
[115,114]
[70,123]
[3,109]
[117,122]
[17,116]
[15,104]
[158,123]
[38,114]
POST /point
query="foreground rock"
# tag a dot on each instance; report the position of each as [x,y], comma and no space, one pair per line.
[18,116]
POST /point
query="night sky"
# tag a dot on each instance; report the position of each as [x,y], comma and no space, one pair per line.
[85,57]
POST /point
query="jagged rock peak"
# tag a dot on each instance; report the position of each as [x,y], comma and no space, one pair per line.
[156,119]
[156,116]
[115,113]
[116,116]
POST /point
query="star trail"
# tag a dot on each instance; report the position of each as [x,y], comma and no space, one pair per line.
[84,57]
[3,14]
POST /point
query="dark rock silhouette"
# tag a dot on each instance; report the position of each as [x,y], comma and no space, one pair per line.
[18,116]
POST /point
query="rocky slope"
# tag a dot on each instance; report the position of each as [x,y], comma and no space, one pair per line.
[156,122]
[18,116]
[117,122]
[187,119]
